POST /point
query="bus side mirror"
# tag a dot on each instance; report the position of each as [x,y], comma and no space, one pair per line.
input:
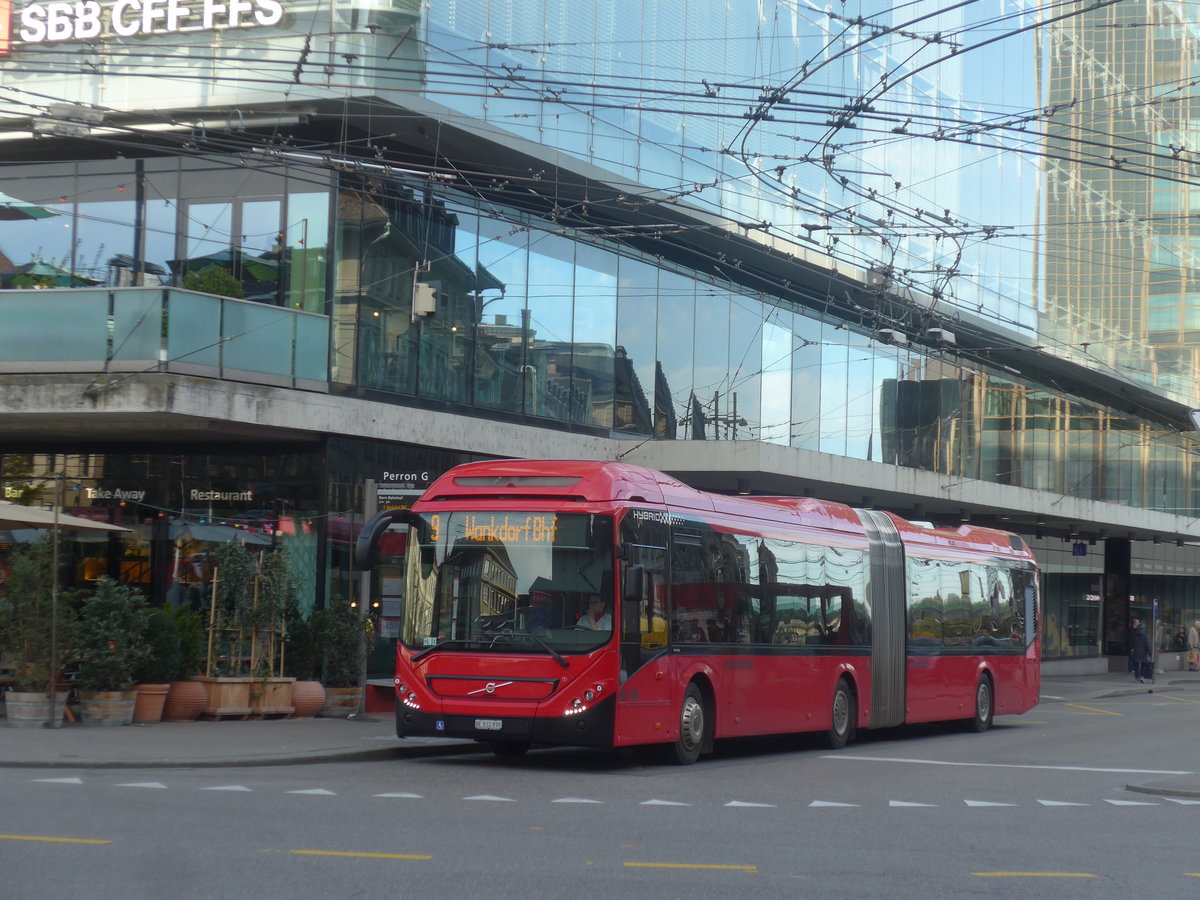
[367,546]
[633,585]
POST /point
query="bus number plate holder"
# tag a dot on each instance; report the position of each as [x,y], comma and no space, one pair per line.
[488,724]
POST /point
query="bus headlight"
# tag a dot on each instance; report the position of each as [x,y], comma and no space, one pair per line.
[575,708]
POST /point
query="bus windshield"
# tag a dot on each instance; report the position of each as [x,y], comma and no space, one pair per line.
[515,582]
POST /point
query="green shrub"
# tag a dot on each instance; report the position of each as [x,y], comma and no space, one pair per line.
[27,624]
[192,642]
[214,280]
[342,637]
[113,630]
[163,660]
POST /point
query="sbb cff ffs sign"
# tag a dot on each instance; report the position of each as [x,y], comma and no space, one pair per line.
[5,26]
[84,20]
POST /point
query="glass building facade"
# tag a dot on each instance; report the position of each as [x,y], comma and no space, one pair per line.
[678,221]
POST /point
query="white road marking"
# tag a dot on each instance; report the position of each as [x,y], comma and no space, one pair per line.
[226,787]
[60,780]
[1130,803]
[1060,803]
[490,798]
[144,784]
[402,794]
[744,803]
[575,800]
[939,762]
[906,803]
[317,791]
[663,803]
[986,803]
[1183,802]
[830,803]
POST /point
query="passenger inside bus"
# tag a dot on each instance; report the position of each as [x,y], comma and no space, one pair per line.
[538,614]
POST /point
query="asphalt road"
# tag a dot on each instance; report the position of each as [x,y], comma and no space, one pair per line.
[1038,806]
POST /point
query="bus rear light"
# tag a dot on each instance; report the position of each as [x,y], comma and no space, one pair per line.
[411,701]
[402,689]
[589,696]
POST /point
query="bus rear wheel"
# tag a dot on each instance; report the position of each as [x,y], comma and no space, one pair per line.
[982,720]
[693,728]
[841,729]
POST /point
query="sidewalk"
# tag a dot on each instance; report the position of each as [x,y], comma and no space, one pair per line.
[223,743]
[296,741]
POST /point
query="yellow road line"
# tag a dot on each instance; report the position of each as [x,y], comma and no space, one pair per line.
[1092,709]
[1178,699]
[358,854]
[651,865]
[52,840]
[1033,874]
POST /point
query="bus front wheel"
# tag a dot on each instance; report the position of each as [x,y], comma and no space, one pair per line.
[983,705]
[841,730]
[693,728]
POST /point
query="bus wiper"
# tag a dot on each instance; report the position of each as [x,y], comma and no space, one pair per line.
[558,657]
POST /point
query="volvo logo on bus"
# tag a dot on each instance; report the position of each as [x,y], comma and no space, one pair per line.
[489,688]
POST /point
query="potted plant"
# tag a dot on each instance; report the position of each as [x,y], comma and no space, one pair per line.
[264,623]
[186,697]
[112,641]
[230,613]
[36,636]
[343,640]
[302,656]
[153,677]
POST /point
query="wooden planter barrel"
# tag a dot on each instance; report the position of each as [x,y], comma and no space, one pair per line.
[26,709]
[99,708]
[341,703]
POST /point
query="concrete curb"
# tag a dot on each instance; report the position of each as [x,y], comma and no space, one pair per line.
[1169,787]
[302,758]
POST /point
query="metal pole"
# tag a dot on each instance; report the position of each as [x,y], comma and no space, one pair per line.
[50,668]
[370,507]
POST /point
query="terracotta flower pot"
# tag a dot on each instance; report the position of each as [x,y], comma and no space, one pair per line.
[185,701]
[151,698]
[307,699]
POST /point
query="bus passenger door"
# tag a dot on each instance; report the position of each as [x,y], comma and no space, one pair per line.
[644,699]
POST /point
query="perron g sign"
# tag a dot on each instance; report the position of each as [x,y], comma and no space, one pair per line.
[83,20]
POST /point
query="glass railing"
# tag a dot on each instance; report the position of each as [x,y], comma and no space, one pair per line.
[162,330]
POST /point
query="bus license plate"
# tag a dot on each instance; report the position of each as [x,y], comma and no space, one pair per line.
[488,724]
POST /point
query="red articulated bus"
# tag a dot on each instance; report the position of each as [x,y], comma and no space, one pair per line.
[608,605]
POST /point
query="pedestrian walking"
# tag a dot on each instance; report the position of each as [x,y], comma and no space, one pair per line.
[1140,652]
[1193,646]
